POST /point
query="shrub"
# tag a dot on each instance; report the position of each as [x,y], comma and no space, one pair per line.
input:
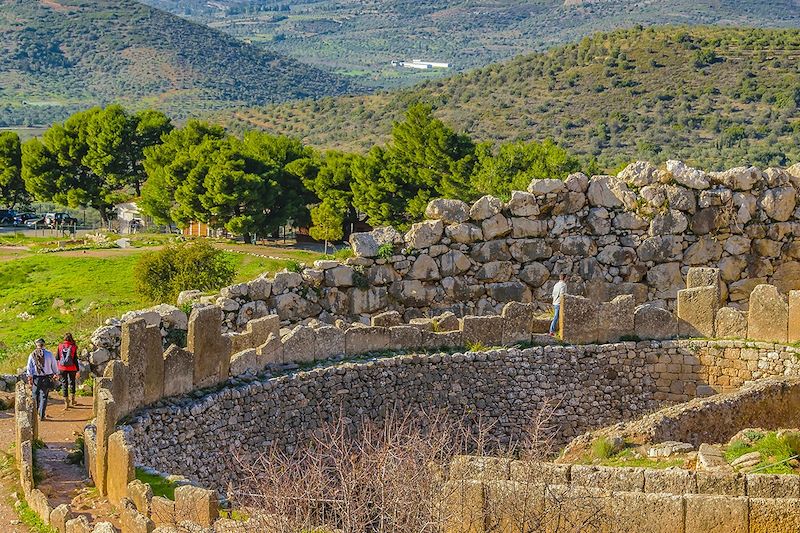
[385,250]
[161,275]
[602,448]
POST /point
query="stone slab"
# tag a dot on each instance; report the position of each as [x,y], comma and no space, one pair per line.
[359,340]
[178,371]
[654,323]
[300,345]
[330,342]
[196,505]
[670,481]
[616,319]
[517,322]
[120,468]
[716,514]
[210,350]
[486,330]
[579,320]
[794,317]
[773,515]
[773,486]
[697,311]
[768,315]
[647,513]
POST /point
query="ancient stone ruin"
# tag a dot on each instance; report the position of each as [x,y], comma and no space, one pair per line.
[684,285]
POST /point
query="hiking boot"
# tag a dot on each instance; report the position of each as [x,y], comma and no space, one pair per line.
[72,401]
[66,404]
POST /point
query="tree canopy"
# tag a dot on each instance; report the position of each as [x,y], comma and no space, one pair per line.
[12,187]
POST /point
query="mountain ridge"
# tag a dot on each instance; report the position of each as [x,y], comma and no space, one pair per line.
[66,55]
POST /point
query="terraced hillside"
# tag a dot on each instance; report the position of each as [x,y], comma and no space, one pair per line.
[360,37]
[715,97]
[57,56]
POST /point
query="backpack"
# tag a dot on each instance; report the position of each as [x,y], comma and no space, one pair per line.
[66,356]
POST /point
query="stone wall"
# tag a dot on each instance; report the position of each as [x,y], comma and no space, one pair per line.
[772,403]
[637,233]
[495,494]
[596,384]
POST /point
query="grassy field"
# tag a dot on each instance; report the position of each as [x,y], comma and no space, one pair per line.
[47,294]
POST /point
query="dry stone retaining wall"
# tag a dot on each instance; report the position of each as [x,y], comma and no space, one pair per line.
[636,233]
[597,384]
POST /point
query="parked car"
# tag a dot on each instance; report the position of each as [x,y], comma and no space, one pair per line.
[35,220]
[21,218]
[7,216]
[59,219]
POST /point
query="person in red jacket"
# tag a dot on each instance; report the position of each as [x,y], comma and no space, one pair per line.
[67,359]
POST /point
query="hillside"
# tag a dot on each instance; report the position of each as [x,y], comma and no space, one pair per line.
[715,97]
[359,38]
[60,56]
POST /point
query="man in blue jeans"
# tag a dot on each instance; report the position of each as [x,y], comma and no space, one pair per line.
[42,368]
[559,289]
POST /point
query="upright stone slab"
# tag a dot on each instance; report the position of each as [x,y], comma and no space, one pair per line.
[271,351]
[360,340]
[209,348]
[141,494]
[794,317]
[178,371]
[133,352]
[154,365]
[486,330]
[578,320]
[259,330]
[768,315]
[330,342]
[196,505]
[120,468]
[697,311]
[245,362]
[116,373]
[704,277]
[300,345]
[105,423]
[731,324]
[616,319]
[404,338]
[517,322]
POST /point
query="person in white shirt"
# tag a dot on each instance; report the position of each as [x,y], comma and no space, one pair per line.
[559,289]
[42,369]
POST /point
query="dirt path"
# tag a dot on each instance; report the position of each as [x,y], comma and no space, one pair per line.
[61,482]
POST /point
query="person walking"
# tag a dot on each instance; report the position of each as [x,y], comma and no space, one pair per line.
[559,289]
[42,369]
[67,357]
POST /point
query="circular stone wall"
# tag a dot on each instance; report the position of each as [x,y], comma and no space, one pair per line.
[198,436]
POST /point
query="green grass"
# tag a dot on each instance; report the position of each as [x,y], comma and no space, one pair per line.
[161,487]
[92,288]
[773,450]
[602,448]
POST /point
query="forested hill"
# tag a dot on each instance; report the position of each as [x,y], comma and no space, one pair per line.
[361,37]
[57,56]
[715,97]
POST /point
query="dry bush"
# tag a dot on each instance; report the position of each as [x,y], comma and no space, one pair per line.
[393,477]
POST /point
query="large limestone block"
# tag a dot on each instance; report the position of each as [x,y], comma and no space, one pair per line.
[773,486]
[196,505]
[271,352]
[495,227]
[702,277]
[539,472]
[360,340]
[720,482]
[209,348]
[608,478]
[178,371]
[647,513]
[769,515]
[486,330]
[768,315]
[448,211]
[779,203]
[670,481]
[715,514]
[300,345]
[259,330]
[517,322]
[731,324]
[141,494]
[578,321]
[523,204]
[464,233]
[485,207]
[404,338]
[424,269]
[651,322]
[509,291]
[424,234]
[163,511]
[59,517]
[616,319]
[454,263]
[512,506]
[330,342]
[463,506]
[433,340]
[794,317]
[688,176]
[141,352]
[575,508]
[120,468]
[245,362]
[135,522]
[697,311]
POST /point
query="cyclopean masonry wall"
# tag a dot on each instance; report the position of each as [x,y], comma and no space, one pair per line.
[637,233]
[496,494]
